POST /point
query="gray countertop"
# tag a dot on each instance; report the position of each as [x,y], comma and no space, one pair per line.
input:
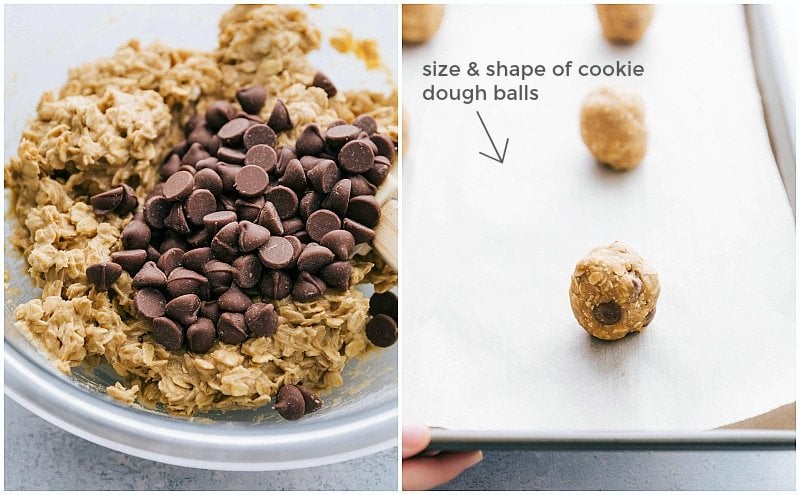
[605,470]
[40,456]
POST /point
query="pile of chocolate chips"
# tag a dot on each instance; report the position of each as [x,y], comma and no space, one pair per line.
[382,328]
[294,401]
[237,217]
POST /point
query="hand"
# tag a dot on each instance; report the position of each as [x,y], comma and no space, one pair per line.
[427,471]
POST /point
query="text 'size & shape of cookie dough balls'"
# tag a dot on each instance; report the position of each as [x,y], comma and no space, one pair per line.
[421,21]
[624,24]
[613,128]
[613,292]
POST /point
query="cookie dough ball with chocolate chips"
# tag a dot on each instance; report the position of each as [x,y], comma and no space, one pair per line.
[421,21]
[613,292]
[613,128]
[624,24]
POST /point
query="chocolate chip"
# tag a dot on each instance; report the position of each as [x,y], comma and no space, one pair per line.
[307,287]
[322,81]
[217,220]
[339,197]
[324,176]
[275,284]
[382,331]
[196,259]
[292,226]
[340,242]
[383,303]
[232,132]
[178,186]
[310,141]
[339,135]
[361,186]
[297,249]
[251,181]
[106,202]
[234,300]
[129,200]
[149,303]
[337,122]
[248,271]
[156,210]
[285,154]
[200,203]
[179,148]
[199,238]
[173,240]
[270,219]
[252,99]
[360,232]
[308,162]
[277,253]
[188,168]
[290,403]
[136,235]
[201,134]
[254,119]
[279,119]
[321,222]
[312,402]
[367,124]
[170,166]
[149,276]
[261,319]
[385,146]
[103,275]
[252,236]
[294,177]
[227,173]
[152,254]
[184,281]
[356,157]
[130,260]
[214,144]
[314,257]
[309,203]
[231,155]
[259,134]
[206,163]
[210,310]
[183,309]
[167,333]
[196,153]
[337,274]
[201,335]
[219,274]
[263,156]
[218,113]
[649,317]
[226,243]
[232,328]
[364,210]
[607,313]
[194,121]
[284,199]
[379,171]
[170,260]
[176,220]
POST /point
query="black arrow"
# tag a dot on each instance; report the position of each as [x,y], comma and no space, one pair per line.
[500,158]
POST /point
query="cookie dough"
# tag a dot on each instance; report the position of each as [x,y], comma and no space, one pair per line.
[625,23]
[114,122]
[421,21]
[613,292]
[613,128]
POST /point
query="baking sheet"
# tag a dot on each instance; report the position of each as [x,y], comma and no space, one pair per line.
[489,340]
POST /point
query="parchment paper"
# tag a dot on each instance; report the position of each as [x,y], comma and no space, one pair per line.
[489,340]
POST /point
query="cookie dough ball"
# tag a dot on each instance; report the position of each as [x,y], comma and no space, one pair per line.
[613,292]
[420,22]
[624,24]
[612,126]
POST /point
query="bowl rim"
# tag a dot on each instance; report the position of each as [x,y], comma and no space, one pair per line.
[192,443]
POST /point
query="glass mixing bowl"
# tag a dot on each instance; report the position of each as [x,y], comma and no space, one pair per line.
[359,418]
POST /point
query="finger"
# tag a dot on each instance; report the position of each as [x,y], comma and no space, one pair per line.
[416,438]
[424,473]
